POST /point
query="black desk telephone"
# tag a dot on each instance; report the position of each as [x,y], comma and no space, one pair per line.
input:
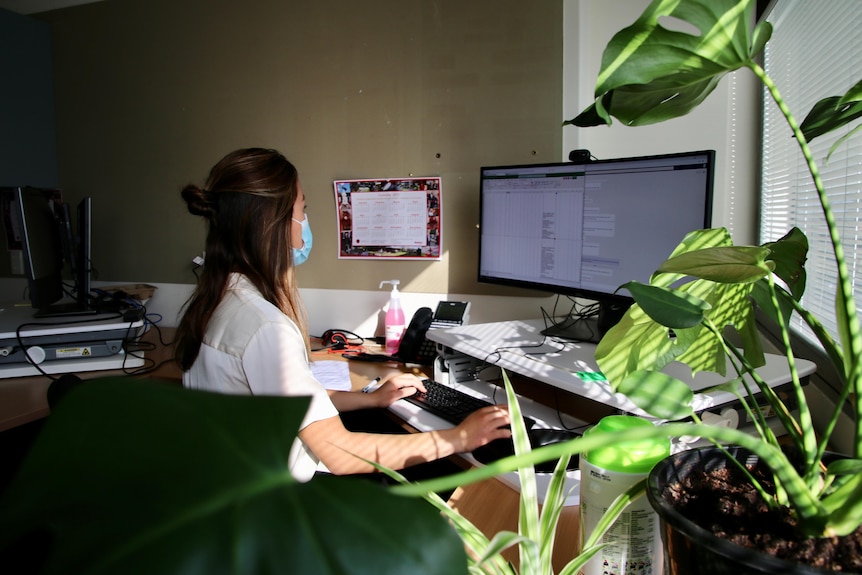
[415,347]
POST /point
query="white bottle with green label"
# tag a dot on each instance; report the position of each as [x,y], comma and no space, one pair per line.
[634,541]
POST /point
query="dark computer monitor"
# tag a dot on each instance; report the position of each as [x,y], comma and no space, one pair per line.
[48,244]
[41,243]
[82,272]
[584,228]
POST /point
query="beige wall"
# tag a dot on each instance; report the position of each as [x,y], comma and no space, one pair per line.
[151,93]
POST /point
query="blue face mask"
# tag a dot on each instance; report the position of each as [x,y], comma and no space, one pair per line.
[301,254]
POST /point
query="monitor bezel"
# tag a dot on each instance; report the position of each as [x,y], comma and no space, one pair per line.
[603,298]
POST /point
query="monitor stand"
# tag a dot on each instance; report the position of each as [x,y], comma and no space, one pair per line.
[582,329]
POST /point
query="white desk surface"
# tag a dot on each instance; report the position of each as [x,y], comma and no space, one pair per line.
[520,347]
[15,315]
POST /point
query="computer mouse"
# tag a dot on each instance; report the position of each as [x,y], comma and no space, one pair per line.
[539,437]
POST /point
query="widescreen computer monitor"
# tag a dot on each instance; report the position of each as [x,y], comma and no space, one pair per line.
[585,228]
[48,243]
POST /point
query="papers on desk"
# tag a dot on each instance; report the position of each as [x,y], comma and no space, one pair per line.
[332,374]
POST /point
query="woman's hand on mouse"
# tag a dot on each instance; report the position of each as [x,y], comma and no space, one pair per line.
[481,427]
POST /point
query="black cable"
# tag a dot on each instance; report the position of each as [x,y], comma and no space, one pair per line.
[577,313]
[128,342]
[150,365]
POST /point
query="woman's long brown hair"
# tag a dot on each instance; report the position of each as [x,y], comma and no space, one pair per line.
[247,204]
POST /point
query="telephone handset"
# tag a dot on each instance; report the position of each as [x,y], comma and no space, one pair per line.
[411,342]
[415,347]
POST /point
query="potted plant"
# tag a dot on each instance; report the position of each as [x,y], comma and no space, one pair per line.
[708,286]
[650,74]
[140,476]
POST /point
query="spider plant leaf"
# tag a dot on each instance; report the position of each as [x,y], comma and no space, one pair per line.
[658,394]
[762,296]
[552,508]
[726,264]
[844,506]
[832,113]
[586,554]
[501,541]
[670,308]
[651,73]
[528,516]
[844,467]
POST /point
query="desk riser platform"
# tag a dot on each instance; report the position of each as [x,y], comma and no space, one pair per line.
[64,345]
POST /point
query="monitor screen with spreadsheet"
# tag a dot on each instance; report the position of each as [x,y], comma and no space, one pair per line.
[585,228]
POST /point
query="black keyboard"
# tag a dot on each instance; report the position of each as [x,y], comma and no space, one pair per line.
[445,402]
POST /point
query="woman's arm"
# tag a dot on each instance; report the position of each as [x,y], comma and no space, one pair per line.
[342,451]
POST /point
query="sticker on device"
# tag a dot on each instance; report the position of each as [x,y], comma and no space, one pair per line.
[74,352]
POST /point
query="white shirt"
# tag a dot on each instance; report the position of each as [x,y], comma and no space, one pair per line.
[251,347]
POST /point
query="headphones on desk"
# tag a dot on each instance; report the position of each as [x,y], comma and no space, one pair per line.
[340,339]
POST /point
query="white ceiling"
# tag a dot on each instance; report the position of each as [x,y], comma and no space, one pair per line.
[35,6]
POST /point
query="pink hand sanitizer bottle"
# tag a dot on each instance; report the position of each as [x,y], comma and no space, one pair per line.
[394,324]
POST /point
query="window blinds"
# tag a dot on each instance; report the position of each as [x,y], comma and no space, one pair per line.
[815,52]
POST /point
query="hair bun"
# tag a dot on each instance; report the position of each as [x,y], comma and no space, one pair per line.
[200,202]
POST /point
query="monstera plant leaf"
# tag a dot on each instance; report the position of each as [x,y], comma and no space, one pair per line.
[660,327]
[833,112]
[145,477]
[789,255]
[669,319]
[651,73]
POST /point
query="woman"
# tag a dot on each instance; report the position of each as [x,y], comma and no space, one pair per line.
[244,328]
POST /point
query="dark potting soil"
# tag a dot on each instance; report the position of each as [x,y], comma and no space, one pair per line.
[724,502]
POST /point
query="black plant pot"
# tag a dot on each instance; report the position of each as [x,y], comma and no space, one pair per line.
[692,550]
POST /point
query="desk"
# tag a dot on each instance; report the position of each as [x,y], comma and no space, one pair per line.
[519,347]
[24,399]
[490,505]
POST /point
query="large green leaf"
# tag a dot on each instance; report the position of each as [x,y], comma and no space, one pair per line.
[673,309]
[832,113]
[693,241]
[635,343]
[658,394]
[651,73]
[790,254]
[145,477]
[731,264]
[638,343]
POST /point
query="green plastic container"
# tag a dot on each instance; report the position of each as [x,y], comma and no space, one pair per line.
[631,456]
[634,541]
